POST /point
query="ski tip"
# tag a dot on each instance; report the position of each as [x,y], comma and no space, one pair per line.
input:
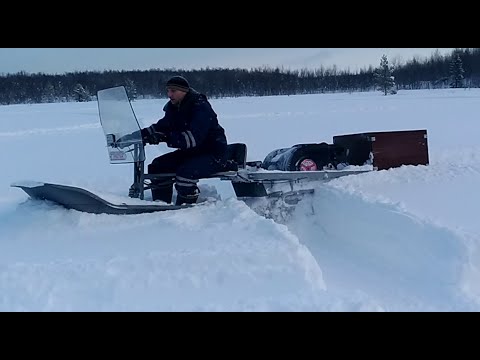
[27,184]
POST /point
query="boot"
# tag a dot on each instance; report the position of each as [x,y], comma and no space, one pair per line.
[133,192]
[163,193]
[186,199]
[187,191]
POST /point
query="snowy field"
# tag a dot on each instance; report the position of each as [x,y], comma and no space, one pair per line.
[405,239]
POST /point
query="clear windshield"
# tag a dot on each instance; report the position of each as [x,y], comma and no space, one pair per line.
[118,119]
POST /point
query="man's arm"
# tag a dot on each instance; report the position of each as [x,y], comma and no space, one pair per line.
[153,134]
[157,132]
[202,114]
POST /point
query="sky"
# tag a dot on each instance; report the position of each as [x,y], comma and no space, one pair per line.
[405,239]
[61,60]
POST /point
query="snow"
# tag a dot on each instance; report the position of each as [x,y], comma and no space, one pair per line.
[404,239]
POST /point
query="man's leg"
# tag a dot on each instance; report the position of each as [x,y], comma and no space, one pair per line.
[162,189]
[188,175]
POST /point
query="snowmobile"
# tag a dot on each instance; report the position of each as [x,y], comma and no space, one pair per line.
[284,173]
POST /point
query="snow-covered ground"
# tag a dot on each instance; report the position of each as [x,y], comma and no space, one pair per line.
[406,239]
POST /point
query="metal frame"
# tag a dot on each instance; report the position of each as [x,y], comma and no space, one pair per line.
[248,181]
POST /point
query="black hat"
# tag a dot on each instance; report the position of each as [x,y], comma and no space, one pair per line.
[178,83]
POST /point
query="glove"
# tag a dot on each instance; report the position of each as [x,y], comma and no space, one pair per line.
[127,140]
[153,137]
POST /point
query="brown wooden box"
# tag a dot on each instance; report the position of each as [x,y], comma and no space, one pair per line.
[390,149]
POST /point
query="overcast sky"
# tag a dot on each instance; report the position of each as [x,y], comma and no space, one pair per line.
[61,60]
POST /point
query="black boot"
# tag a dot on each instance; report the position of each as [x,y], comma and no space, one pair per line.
[163,193]
[186,199]
[187,195]
[187,190]
[133,192]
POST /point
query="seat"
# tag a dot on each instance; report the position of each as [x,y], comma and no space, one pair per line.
[237,153]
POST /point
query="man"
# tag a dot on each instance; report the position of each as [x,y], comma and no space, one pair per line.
[190,125]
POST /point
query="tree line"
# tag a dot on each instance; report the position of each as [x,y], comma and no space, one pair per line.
[461,68]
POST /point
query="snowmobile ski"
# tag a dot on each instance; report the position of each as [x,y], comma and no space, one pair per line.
[79,199]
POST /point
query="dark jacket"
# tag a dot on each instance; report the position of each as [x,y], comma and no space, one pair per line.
[193,126]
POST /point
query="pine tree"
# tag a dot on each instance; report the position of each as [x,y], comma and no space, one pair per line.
[81,94]
[48,93]
[383,77]
[456,71]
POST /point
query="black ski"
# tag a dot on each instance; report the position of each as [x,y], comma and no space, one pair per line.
[80,199]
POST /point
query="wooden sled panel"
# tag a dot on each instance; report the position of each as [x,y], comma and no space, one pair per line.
[390,149]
